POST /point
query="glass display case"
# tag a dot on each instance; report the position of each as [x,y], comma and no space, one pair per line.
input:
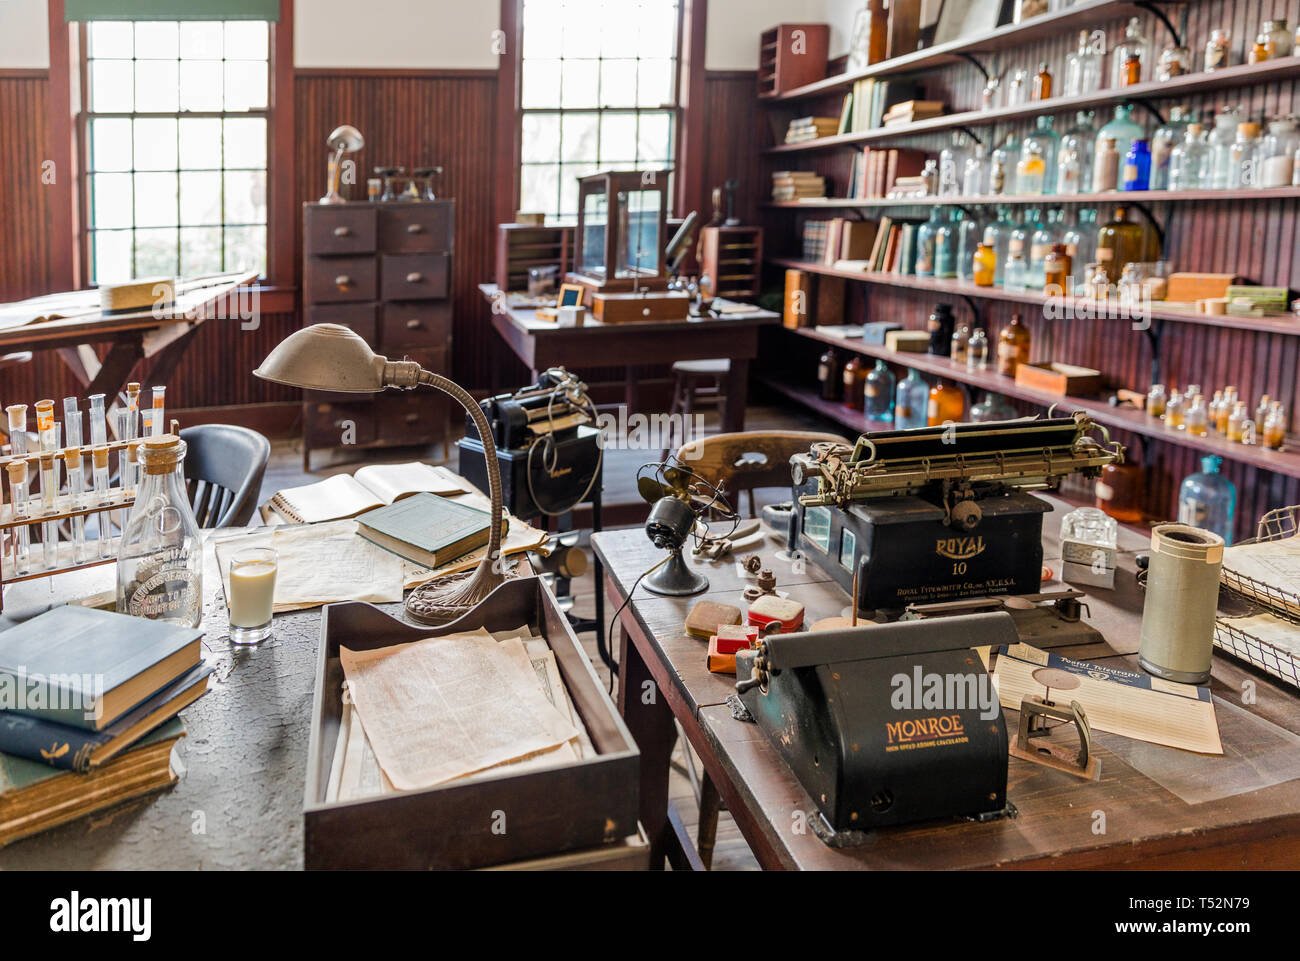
[622,231]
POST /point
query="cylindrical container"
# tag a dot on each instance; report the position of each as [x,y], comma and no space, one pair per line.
[1182,597]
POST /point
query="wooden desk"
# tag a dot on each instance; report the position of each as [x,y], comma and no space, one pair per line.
[664,678]
[161,336]
[541,344]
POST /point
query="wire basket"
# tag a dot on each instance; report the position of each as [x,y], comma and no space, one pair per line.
[1273,526]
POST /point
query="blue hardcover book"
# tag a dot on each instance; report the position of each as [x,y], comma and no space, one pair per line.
[86,668]
[74,749]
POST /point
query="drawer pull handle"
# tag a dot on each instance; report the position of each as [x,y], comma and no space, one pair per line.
[414,324]
[414,277]
[342,281]
[414,229]
[342,232]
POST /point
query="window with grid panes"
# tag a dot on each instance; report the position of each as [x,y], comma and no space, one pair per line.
[598,91]
[175,121]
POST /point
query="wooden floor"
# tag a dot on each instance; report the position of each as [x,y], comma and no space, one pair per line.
[285,470]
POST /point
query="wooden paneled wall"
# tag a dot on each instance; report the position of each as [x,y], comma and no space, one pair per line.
[1256,239]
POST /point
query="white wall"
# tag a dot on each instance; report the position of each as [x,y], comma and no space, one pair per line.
[395,33]
[24,35]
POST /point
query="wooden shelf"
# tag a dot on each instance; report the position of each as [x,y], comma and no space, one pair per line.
[1240,75]
[1087,13]
[833,410]
[1272,324]
[1283,462]
[1103,199]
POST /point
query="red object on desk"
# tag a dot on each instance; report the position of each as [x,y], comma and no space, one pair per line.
[770,609]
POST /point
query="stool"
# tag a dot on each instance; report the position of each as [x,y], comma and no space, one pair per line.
[695,383]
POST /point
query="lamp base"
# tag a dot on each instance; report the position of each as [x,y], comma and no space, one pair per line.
[676,579]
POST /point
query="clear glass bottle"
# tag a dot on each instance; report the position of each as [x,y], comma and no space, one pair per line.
[960,344]
[969,231]
[1220,141]
[1069,172]
[1275,426]
[1218,49]
[1174,410]
[1137,167]
[945,246]
[913,406]
[1031,170]
[1083,66]
[1157,400]
[1089,526]
[1016,273]
[1080,239]
[1167,136]
[1129,61]
[1046,234]
[926,235]
[1241,167]
[1196,420]
[998,236]
[1175,61]
[1215,406]
[1278,39]
[977,351]
[1123,129]
[1002,173]
[1080,138]
[1237,422]
[975,175]
[993,407]
[1226,408]
[1189,160]
[1018,89]
[160,559]
[930,176]
[1261,414]
[952,165]
[878,393]
[1275,156]
[1208,500]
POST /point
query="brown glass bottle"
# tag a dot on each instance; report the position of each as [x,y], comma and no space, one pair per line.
[1119,242]
[947,403]
[855,383]
[1119,492]
[1013,347]
[1042,82]
[830,375]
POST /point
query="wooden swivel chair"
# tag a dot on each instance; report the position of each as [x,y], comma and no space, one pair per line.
[224,466]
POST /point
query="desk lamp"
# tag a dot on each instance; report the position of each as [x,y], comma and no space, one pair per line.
[344,139]
[331,357]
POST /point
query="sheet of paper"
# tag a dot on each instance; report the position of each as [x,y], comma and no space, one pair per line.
[1281,633]
[441,708]
[1117,700]
[1275,563]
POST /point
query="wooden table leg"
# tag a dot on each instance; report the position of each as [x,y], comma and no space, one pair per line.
[650,721]
[631,390]
[737,396]
[707,834]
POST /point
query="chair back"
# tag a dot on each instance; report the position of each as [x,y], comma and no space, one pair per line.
[750,460]
[224,466]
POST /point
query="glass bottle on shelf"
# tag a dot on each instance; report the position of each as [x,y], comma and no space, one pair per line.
[1261,414]
[855,378]
[1275,426]
[1275,156]
[1002,172]
[1013,346]
[160,555]
[1046,234]
[1214,408]
[1128,62]
[974,180]
[913,404]
[1069,172]
[1018,89]
[998,236]
[1050,141]
[1080,138]
[1189,159]
[1167,136]
[952,165]
[1080,239]
[1196,419]
[1277,39]
[1042,88]
[941,325]
[1218,49]
[960,344]
[1083,67]
[1119,492]
[1220,141]
[984,266]
[989,95]
[1016,273]
[1105,166]
[1174,409]
[1123,129]
[930,177]
[878,393]
[1208,500]
[977,351]
[945,246]
[1119,242]
[969,231]
[993,407]
[946,403]
[1226,408]
[1157,399]
[1031,170]
[830,375]
[1175,61]
[926,234]
[1137,167]
[1241,166]
[1057,271]
[1237,421]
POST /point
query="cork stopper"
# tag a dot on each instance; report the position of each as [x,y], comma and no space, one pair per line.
[161,454]
[72,458]
[17,471]
[101,457]
[1248,129]
[47,460]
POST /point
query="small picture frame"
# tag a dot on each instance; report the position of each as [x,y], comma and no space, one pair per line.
[571,295]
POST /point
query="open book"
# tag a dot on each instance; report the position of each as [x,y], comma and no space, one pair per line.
[375,485]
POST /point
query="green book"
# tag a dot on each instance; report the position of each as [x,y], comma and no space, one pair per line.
[427,529]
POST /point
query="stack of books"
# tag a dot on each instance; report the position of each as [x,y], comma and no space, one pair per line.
[843,239]
[874,172]
[803,129]
[797,185]
[88,705]
[910,111]
[864,107]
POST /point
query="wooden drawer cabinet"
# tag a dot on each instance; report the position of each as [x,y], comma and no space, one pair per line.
[384,270]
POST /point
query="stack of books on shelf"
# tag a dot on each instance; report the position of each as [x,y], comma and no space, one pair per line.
[839,239]
[891,245]
[910,111]
[88,713]
[803,129]
[866,104]
[797,185]
[874,172]
[815,233]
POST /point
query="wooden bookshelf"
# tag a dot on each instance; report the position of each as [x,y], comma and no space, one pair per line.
[1103,199]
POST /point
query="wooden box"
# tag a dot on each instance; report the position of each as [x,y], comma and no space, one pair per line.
[1062,379]
[547,811]
[521,247]
[791,55]
[634,308]
[733,259]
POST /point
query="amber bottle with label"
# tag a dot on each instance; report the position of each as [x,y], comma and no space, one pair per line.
[855,381]
[830,375]
[947,403]
[1013,347]
[1119,242]
[1118,492]
[1042,82]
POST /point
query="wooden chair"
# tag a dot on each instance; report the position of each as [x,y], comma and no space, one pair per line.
[749,460]
[696,383]
[746,461]
[224,466]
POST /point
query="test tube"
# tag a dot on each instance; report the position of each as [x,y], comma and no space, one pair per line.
[132,410]
[18,497]
[49,490]
[18,428]
[76,500]
[148,422]
[125,475]
[71,422]
[100,478]
[98,427]
[159,407]
[45,424]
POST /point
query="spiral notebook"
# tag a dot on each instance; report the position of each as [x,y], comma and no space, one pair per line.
[376,485]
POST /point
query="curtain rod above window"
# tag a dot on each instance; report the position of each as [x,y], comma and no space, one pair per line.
[171,10]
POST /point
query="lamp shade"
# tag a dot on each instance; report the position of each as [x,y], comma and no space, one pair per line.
[325,357]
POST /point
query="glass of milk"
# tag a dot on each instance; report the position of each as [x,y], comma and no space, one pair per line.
[252,594]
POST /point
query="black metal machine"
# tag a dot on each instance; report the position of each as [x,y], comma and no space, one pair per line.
[938,513]
[885,723]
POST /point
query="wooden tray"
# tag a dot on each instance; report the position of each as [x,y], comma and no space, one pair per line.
[548,811]
[1057,378]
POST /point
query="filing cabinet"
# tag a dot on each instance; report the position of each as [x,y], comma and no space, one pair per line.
[384,270]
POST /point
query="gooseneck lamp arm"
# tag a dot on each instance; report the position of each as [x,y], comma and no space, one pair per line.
[331,357]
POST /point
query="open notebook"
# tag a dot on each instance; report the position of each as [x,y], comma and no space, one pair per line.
[375,485]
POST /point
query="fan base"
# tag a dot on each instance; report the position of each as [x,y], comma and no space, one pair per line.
[676,579]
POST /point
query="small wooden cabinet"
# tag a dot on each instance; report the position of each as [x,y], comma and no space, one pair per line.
[383,269]
[733,259]
[791,55]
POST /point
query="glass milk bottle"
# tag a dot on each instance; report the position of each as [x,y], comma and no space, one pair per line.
[1208,500]
[160,560]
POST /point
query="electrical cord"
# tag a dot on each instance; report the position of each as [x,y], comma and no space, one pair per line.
[614,665]
[576,392]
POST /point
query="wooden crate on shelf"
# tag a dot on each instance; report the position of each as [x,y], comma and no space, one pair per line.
[733,259]
[520,247]
[791,55]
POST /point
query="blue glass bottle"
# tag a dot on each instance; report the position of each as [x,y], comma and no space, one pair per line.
[1208,500]
[913,407]
[879,393]
[1137,167]
[945,247]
